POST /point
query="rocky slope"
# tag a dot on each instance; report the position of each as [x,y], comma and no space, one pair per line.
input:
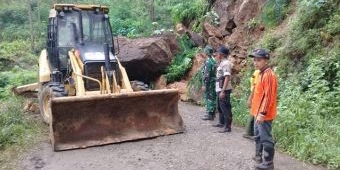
[234,30]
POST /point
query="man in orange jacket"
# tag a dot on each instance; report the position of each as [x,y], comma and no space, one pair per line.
[263,108]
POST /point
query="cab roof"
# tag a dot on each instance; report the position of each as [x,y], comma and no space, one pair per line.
[62,7]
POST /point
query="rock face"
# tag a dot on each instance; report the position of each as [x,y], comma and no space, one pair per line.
[193,93]
[234,16]
[182,89]
[180,28]
[212,31]
[145,59]
[232,31]
[197,63]
[160,82]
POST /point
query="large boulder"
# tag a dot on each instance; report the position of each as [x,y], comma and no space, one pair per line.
[226,11]
[145,59]
[235,14]
[248,9]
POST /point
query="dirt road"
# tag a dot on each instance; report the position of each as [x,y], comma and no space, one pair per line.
[199,148]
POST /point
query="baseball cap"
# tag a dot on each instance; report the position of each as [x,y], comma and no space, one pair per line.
[259,53]
[223,50]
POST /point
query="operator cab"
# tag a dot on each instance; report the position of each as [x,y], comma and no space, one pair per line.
[85,28]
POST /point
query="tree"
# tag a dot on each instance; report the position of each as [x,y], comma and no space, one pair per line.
[152,10]
[29,6]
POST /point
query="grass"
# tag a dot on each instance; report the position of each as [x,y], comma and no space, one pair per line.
[19,131]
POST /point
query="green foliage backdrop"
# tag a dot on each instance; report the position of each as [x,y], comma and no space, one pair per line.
[307,61]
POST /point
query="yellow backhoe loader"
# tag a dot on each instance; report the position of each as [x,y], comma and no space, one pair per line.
[84,92]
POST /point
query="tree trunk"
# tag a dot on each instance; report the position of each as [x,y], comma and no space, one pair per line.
[38,11]
[31,23]
[152,10]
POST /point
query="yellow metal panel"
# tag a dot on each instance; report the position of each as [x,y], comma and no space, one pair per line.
[44,69]
[80,89]
[125,79]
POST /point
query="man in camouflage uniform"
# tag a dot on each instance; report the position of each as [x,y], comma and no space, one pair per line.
[209,79]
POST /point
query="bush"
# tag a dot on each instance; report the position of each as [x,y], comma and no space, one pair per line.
[306,123]
[182,62]
[16,128]
[239,98]
[307,61]
[17,53]
[186,12]
[16,77]
[274,12]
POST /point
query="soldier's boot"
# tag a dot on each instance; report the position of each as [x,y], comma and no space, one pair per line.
[227,126]
[268,156]
[229,122]
[213,115]
[258,153]
[221,121]
[208,116]
[249,134]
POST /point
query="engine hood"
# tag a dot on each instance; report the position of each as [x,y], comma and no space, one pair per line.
[94,53]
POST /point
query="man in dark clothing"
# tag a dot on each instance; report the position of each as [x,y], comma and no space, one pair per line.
[224,88]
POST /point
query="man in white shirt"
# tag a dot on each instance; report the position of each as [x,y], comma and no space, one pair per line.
[224,88]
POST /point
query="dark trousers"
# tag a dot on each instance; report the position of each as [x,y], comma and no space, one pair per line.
[250,126]
[220,114]
[225,107]
[264,140]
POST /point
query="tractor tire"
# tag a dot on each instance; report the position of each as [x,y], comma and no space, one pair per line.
[46,92]
[139,86]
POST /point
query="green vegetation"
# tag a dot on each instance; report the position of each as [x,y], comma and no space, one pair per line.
[15,127]
[191,14]
[182,62]
[274,12]
[307,61]
[18,131]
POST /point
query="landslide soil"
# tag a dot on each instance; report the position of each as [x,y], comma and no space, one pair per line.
[199,148]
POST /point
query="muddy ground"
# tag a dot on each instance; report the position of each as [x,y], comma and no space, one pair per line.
[199,148]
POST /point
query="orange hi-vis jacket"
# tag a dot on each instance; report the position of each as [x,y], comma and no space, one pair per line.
[253,80]
[265,93]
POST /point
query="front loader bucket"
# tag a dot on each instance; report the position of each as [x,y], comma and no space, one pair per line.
[80,122]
